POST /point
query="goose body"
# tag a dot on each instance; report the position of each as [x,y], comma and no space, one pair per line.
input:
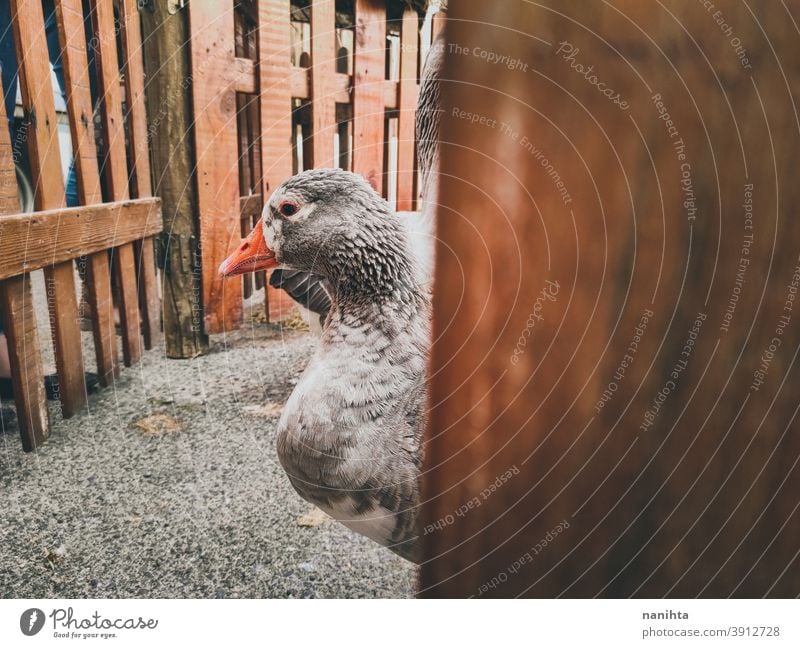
[350,435]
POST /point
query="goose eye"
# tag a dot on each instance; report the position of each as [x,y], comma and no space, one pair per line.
[288,209]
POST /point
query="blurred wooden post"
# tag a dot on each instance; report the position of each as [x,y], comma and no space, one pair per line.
[169,114]
[615,377]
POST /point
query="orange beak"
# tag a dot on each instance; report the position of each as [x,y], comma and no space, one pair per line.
[253,254]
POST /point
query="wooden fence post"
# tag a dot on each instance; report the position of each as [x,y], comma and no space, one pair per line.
[368,91]
[37,97]
[169,114]
[213,89]
[615,370]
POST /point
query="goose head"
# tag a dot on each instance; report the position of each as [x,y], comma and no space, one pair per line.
[332,223]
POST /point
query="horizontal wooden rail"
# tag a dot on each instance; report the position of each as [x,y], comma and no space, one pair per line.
[300,84]
[245,75]
[41,239]
[250,205]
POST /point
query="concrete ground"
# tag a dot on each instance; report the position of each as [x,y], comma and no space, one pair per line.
[168,485]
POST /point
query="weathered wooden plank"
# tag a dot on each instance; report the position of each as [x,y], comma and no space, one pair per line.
[340,86]
[101,304]
[167,60]
[275,91]
[133,69]
[74,60]
[19,320]
[129,304]
[115,163]
[9,199]
[276,118]
[368,91]
[439,19]
[245,75]
[250,206]
[38,101]
[214,96]
[323,61]
[149,302]
[16,303]
[36,240]
[409,90]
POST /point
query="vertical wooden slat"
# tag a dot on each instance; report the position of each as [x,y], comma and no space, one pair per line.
[620,390]
[275,94]
[323,59]
[409,51]
[214,95]
[115,162]
[133,68]
[74,60]
[276,104]
[19,319]
[368,88]
[16,302]
[37,98]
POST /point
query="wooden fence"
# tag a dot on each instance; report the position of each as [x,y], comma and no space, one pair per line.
[117,212]
[251,102]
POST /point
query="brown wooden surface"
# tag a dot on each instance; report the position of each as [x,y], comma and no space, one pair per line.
[276,116]
[35,240]
[19,320]
[123,265]
[245,75]
[368,83]
[169,110]
[74,60]
[276,119]
[129,303]
[214,95]
[133,70]
[42,136]
[406,152]
[685,480]
[323,61]
[16,304]
[101,306]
